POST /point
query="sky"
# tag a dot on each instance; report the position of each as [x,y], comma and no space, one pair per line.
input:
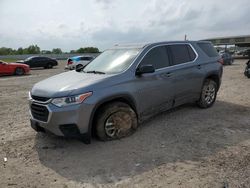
[71,24]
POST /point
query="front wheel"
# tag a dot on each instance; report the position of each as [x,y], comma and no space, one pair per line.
[115,120]
[208,94]
[19,71]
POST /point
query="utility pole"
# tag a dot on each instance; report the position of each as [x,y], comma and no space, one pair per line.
[185,38]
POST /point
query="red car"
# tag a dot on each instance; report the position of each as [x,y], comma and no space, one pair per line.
[13,68]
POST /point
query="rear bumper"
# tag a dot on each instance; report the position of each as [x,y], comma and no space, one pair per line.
[70,67]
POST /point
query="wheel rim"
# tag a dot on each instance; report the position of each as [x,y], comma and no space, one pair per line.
[210,91]
[118,124]
[19,71]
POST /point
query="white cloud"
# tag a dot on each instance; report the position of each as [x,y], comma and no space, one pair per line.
[102,23]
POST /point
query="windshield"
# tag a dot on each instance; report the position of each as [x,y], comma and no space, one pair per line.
[27,59]
[112,61]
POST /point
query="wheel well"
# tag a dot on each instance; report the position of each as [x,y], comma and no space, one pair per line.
[125,100]
[215,78]
[19,68]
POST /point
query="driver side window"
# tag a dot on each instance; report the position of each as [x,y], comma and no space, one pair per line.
[157,57]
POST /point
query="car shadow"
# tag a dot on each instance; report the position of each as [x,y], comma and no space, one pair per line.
[42,68]
[185,133]
[13,75]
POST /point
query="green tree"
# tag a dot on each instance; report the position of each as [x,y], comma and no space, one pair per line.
[46,52]
[88,50]
[6,51]
[20,51]
[56,51]
[72,51]
[32,49]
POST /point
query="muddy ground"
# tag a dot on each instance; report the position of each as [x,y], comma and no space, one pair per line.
[185,147]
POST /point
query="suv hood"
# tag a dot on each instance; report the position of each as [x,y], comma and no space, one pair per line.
[64,84]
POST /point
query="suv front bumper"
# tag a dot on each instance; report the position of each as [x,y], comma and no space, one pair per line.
[70,121]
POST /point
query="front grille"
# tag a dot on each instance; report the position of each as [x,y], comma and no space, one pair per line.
[41,99]
[39,112]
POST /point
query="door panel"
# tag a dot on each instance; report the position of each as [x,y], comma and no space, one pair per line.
[5,69]
[187,73]
[154,93]
[187,79]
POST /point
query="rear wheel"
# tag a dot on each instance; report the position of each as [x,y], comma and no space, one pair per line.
[231,61]
[208,94]
[19,71]
[49,66]
[115,120]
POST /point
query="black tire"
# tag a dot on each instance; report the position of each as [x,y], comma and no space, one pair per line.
[49,66]
[208,94]
[115,121]
[19,71]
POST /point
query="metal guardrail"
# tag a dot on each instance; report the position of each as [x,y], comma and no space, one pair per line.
[56,56]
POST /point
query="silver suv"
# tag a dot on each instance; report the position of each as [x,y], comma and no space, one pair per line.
[124,86]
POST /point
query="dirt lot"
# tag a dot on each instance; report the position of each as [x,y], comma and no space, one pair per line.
[186,147]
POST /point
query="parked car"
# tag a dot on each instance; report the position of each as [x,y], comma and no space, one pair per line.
[246,53]
[125,86]
[247,69]
[227,58]
[78,62]
[13,68]
[37,61]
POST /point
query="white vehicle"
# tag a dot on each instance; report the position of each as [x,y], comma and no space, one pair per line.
[78,62]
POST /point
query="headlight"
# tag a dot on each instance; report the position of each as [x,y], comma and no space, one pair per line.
[29,96]
[66,101]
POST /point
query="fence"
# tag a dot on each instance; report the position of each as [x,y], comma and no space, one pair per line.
[56,56]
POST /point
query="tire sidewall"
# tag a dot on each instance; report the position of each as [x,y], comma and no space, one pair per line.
[202,102]
[19,73]
[49,66]
[106,112]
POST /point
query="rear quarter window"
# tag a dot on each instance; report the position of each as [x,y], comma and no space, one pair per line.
[208,49]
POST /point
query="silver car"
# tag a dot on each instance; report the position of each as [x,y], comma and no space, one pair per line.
[78,62]
[123,87]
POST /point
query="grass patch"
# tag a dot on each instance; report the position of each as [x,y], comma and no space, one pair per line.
[10,60]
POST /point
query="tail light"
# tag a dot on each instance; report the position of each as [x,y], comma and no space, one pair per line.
[70,62]
[221,61]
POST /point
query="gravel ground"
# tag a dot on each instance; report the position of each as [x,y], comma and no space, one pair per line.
[185,147]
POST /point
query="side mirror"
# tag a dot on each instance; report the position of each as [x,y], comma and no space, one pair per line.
[145,69]
[79,68]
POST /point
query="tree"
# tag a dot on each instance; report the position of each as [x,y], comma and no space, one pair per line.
[32,49]
[57,51]
[7,51]
[88,50]
[20,51]
[46,52]
[72,51]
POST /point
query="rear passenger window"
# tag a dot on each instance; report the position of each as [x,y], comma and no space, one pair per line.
[181,53]
[208,49]
[191,53]
[157,57]
[84,58]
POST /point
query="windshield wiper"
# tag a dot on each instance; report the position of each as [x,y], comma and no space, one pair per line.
[96,72]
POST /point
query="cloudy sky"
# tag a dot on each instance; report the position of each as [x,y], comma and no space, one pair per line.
[70,24]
